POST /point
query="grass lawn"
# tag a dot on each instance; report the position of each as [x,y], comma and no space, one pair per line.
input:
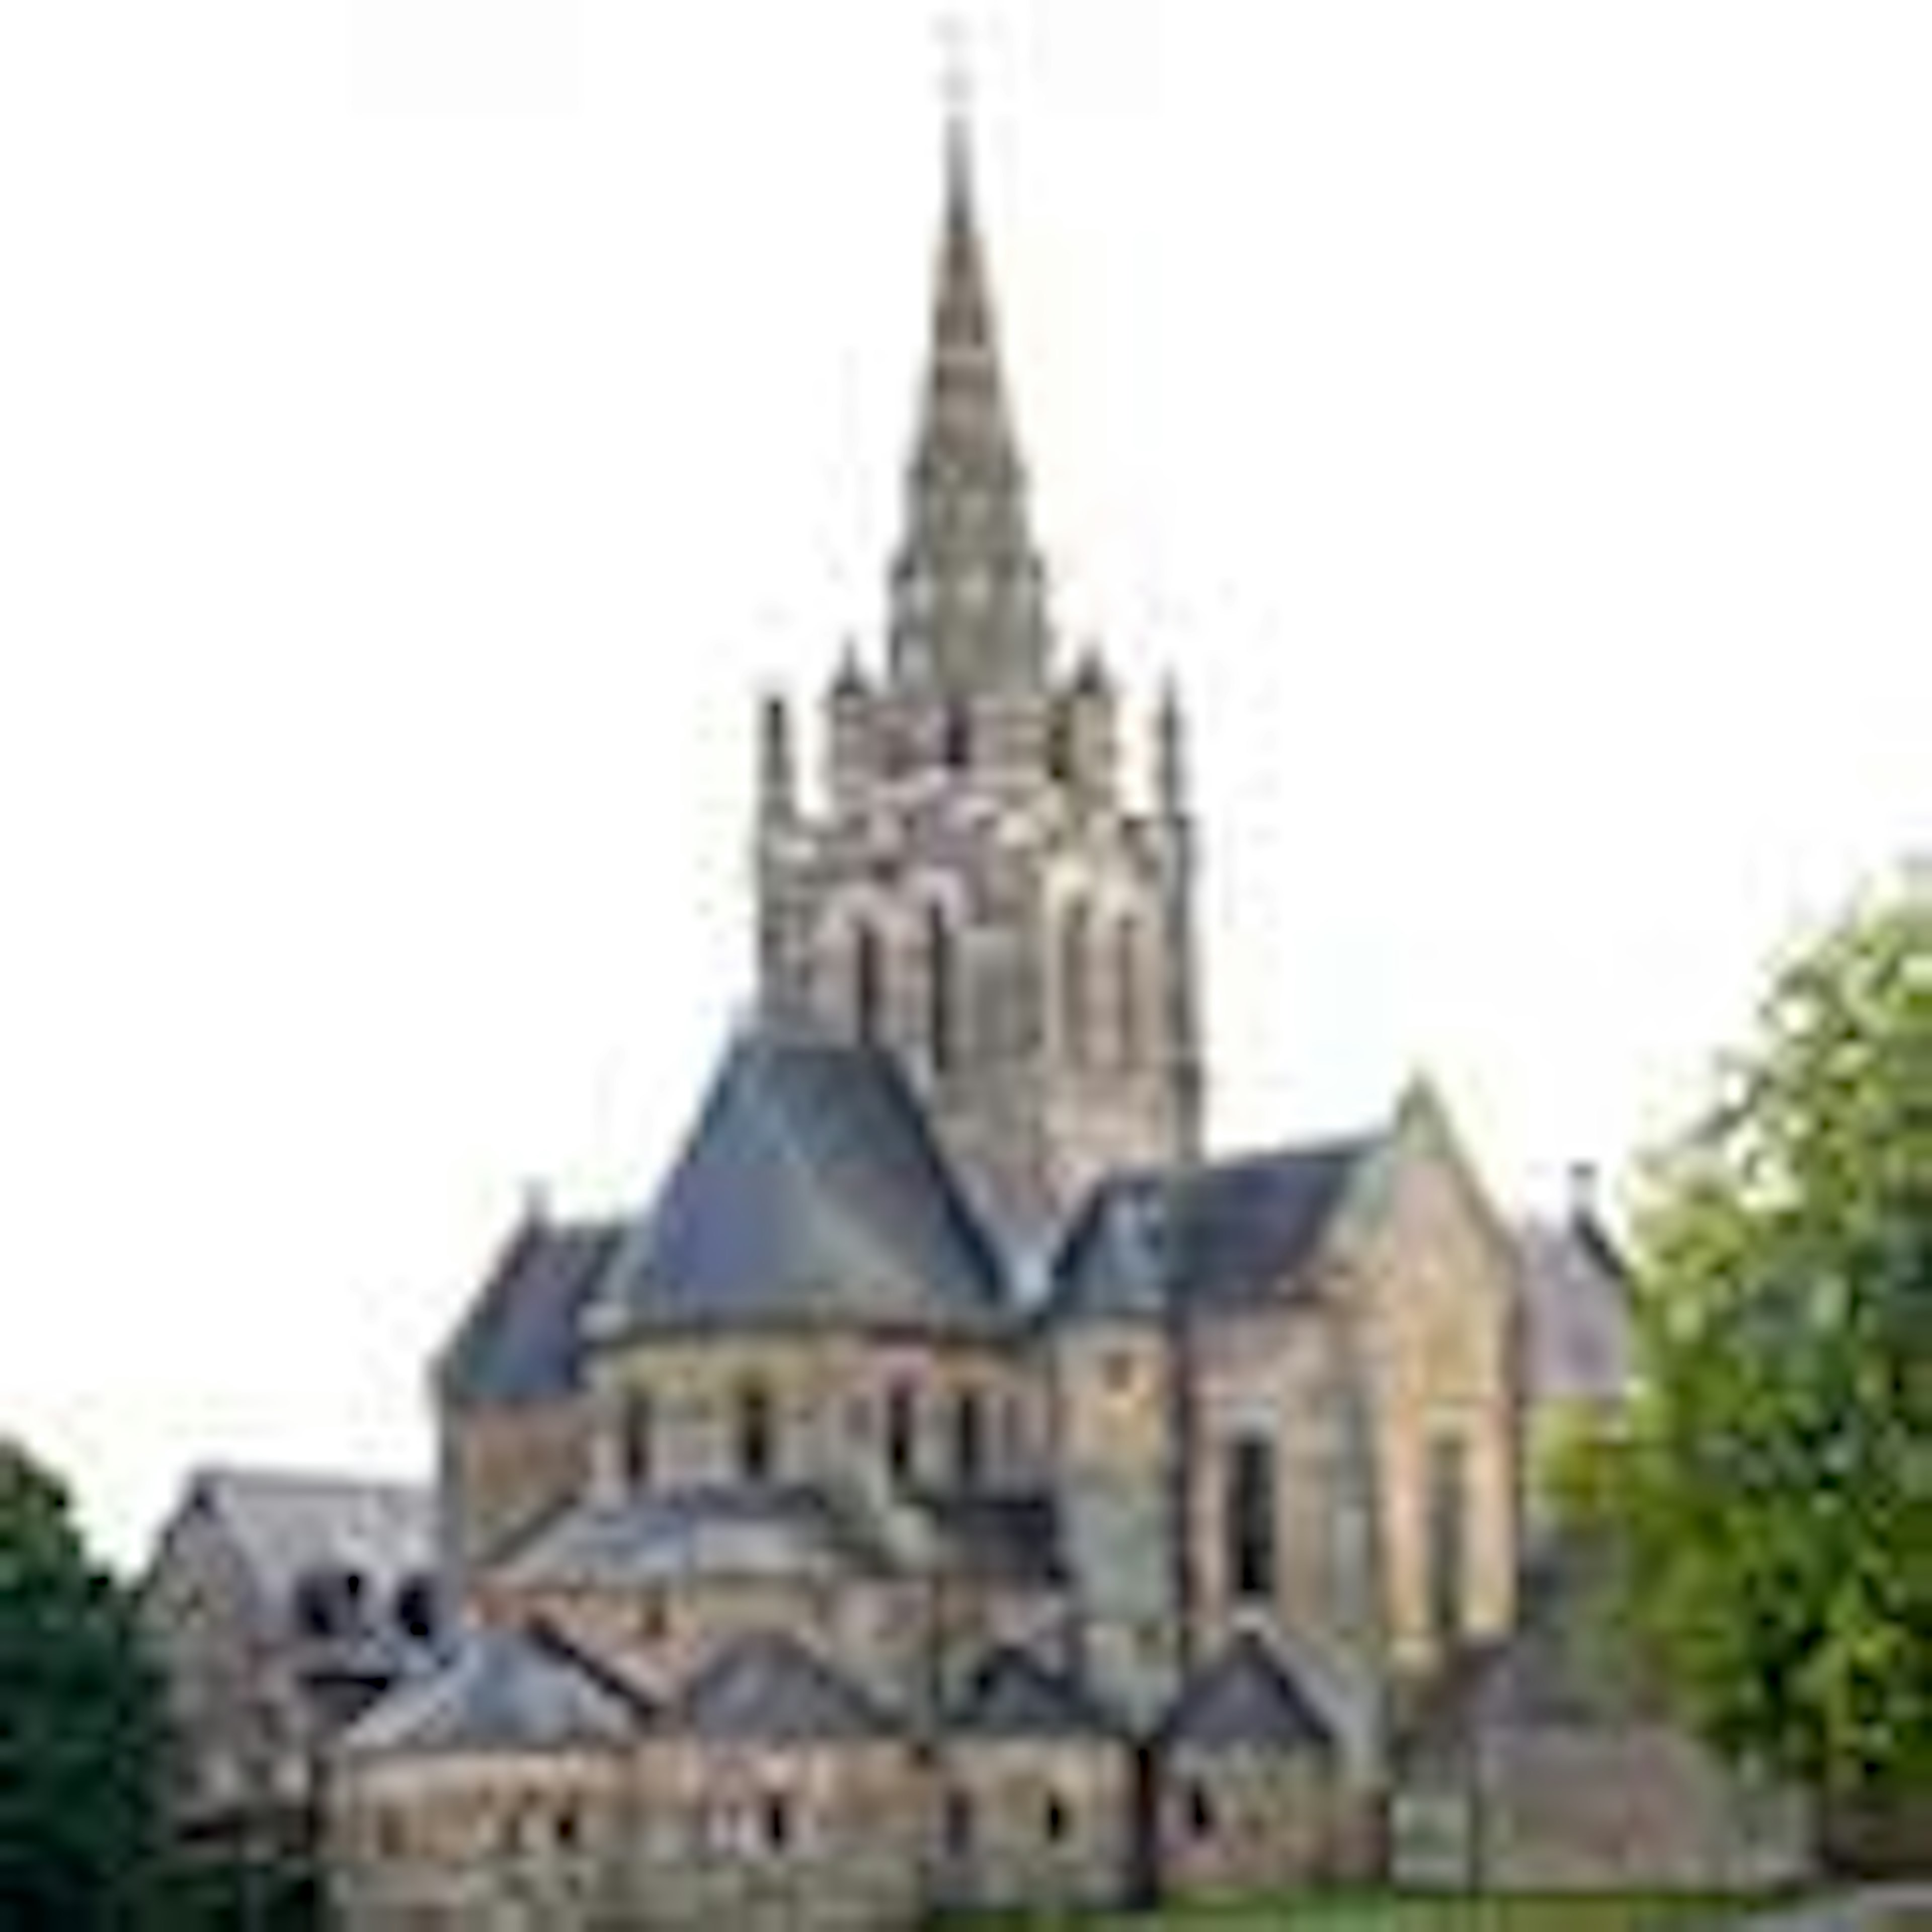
[1669,1913]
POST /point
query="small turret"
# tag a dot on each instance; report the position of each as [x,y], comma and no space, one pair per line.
[1170,756]
[851,760]
[778,790]
[1088,738]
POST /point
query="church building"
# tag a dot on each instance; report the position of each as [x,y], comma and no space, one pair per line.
[959,1485]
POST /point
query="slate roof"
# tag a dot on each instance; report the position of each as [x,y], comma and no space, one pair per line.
[287,1525]
[1012,1540]
[770,1689]
[811,1191]
[503,1690]
[1013,1695]
[782,1531]
[1245,1698]
[518,1343]
[1577,1328]
[1219,1235]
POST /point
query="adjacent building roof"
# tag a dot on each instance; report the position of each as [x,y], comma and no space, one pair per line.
[1246,1698]
[1012,1694]
[811,1191]
[503,1690]
[518,1343]
[770,1689]
[287,1526]
[671,1537]
[1217,1235]
[1577,1320]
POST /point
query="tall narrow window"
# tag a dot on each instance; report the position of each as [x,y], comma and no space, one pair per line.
[868,983]
[939,987]
[902,1430]
[1073,987]
[1127,990]
[969,1439]
[1447,1504]
[638,1445]
[757,1445]
[1249,1510]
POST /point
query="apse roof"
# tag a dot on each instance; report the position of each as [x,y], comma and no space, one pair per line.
[503,1690]
[771,1531]
[810,1192]
[769,1688]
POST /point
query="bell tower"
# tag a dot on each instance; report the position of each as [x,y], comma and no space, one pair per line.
[972,887]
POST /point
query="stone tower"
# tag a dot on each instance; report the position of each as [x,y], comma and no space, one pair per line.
[973,889]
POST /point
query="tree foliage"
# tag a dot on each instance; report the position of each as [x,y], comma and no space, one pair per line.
[1773,1490]
[79,1723]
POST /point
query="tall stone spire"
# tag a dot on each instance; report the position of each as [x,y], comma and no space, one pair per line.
[968,595]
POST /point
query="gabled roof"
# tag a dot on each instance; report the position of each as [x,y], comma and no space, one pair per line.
[672,1537]
[1012,1694]
[810,1192]
[287,1525]
[503,1690]
[1216,1236]
[1245,1699]
[518,1341]
[769,1688]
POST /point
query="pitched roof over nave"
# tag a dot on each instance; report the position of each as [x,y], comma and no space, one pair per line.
[812,1193]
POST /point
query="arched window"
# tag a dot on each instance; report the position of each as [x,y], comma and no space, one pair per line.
[1074,990]
[756,1433]
[969,1439]
[1127,989]
[417,1609]
[1249,1518]
[1447,1505]
[940,1001]
[1056,1819]
[868,983]
[902,1430]
[777,1821]
[637,1445]
[1200,1811]
[956,738]
[958,1823]
[330,1603]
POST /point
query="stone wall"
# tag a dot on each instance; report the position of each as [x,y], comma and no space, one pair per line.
[1234,1821]
[505,1469]
[1037,1822]
[1597,1807]
[749,1837]
[512,1842]
[830,1393]
[1113,1409]
[1277,1375]
[1430,1278]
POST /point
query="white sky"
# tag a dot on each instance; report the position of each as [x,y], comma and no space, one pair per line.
[424,422]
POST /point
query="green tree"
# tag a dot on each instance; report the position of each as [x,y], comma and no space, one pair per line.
[79,1722]
[1773,1490]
